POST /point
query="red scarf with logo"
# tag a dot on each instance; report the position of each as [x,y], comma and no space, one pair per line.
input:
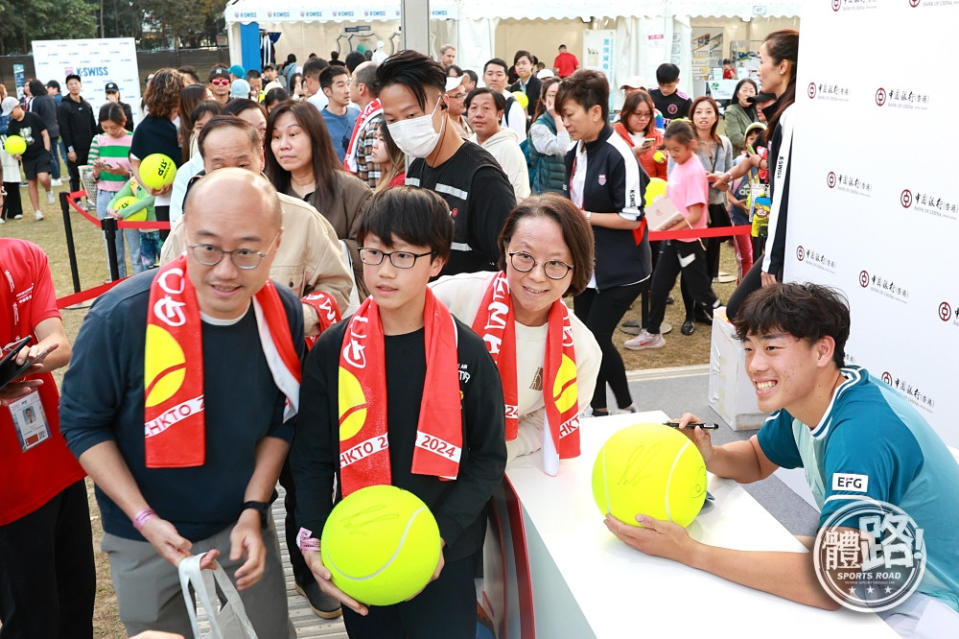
[494,323]
[173,416]
[327,313]
[364,439]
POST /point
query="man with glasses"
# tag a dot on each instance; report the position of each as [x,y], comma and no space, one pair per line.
[220,84]
[456,104]
[178,403]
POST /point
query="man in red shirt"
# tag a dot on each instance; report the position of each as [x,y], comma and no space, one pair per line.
[47,575]
[565,63]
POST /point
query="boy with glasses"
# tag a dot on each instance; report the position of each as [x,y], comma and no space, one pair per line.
[422,376]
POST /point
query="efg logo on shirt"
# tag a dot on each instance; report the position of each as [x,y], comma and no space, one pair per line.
[850,482]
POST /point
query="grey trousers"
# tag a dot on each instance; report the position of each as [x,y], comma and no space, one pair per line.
[148,586]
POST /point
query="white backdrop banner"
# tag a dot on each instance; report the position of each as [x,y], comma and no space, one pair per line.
[874,199]
[96,62]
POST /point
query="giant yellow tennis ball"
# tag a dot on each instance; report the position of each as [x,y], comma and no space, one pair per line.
[157,171]
[164,365]
[15,145]
[124,202]
[650,469]
[352,404]
[381,544]
[522,98]
[655,190]
[565,391]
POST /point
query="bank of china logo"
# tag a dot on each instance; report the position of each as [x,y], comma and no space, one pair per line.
[864,278]
[945,311]
[800,253]
[875,567]
[905,198]
[811,90]
[887,378]
[880,96]
[836,5]
[831,179]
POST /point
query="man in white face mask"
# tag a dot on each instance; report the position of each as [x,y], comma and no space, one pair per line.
[474,186]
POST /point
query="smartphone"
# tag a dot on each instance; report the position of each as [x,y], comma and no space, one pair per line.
[649,140]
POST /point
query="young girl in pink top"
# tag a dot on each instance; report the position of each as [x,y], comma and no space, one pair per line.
[688,190]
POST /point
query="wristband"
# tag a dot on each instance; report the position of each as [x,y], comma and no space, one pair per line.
[305,541]
[142,517]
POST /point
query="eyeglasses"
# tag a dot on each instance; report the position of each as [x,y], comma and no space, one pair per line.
[456,96]
[243,258]
[643,114]
[399,259]
[524,263]
[220,81]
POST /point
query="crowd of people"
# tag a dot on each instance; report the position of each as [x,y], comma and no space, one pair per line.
[381,233]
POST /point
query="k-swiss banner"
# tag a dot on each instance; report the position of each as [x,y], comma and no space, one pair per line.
[173,416]
[364,437]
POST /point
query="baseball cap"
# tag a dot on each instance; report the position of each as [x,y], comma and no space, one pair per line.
[633,82]
[219,72]
[111,87]
[9,104]
[237,70]
[240,89]
[453,83]
[542,74]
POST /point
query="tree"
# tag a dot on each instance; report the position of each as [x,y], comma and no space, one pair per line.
[186,20]
[22,22]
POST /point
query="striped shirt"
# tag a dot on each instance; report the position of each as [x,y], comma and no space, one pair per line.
[116,152]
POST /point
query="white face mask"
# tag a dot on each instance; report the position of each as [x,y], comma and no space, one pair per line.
[416,136]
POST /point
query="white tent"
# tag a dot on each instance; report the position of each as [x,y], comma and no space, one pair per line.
[640,34]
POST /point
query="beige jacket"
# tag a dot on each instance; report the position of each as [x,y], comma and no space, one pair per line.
[309,257]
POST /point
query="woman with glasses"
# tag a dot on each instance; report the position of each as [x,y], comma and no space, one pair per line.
[637,127]
[301,162]
[546,253]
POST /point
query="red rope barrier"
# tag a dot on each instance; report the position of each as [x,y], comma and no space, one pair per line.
[692,234]
[121,224]
[83,296]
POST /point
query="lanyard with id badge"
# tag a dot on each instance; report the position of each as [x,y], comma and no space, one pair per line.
[29,419]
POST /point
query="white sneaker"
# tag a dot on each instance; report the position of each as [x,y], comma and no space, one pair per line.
[37,215]
[56,182]
[50,197]
[2,221]
[645,340]
[17,217]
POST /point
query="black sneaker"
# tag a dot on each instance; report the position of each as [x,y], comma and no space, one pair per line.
[320,603]
[688,328]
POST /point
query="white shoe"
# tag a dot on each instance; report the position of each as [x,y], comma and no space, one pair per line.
[37,215]
[645,340]
[50,197]
[2,221]
[56,182]
[17,217]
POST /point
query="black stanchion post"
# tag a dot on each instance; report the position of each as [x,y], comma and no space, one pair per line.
[109,226]
[71,249]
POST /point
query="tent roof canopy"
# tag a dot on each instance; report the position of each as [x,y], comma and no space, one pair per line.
[267,11]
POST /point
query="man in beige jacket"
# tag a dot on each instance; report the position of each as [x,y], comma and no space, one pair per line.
[309,259]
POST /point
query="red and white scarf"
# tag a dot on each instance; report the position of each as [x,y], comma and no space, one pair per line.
[327,312]
[370,110]
[173,415]
[495,324]
[364,438]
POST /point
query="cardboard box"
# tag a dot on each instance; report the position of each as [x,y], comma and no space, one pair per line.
[731,393]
